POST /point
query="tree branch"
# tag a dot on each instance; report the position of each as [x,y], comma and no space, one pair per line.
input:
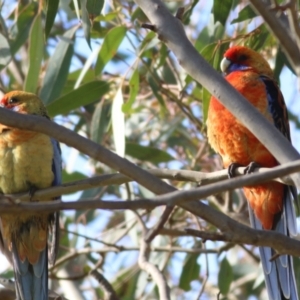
[251,236]
[201,178]
[281,32]
[16,204]
[150,268]
[109,292]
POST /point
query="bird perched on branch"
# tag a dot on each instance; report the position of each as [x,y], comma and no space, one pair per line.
[28,161]
[270,204]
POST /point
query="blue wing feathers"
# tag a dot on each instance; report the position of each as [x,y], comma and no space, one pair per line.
[277,106]
[56,165]
[54,224]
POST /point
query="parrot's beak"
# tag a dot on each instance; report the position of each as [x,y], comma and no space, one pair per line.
[3,102]
[225,63]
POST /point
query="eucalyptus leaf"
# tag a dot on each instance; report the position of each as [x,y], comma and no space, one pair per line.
[51,11]
[85,94]
[118,123]
[221,10]
[5,53]
[109,47]
[36,51]
[58,68]
[225,276]
[86,23]
[147,153]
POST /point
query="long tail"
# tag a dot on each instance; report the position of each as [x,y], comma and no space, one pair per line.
[279,273]
[31,280]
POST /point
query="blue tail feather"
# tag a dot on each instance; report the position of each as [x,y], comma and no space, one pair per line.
[279,273]
[31,280]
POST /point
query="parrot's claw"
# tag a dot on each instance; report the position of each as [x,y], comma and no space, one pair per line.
[12,200]
[231,169]
[31,192]
[251,167]
[275,256]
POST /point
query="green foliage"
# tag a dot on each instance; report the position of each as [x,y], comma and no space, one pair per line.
[245,14]
[225,276]
[221,10]
[134,84]
[84,95]
[36,51]
[149,154]
[72,176]
[20,30]
[109,47]
[5,52]
[190,271]
[100,121]
[58,68]
[51,11]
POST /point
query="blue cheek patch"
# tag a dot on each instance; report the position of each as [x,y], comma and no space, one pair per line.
[236,67]
[15,108]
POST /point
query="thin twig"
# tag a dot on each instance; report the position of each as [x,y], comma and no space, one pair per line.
[281,31]
[292,13]
[151,269]
[109,292]
[151,234]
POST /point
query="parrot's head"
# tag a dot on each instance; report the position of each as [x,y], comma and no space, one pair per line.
[23,102]
[239,58]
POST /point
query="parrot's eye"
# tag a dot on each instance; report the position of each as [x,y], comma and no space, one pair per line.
[13,100]
[243,57]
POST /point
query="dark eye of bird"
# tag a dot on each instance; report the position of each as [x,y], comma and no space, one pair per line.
[242,57]
[13,100]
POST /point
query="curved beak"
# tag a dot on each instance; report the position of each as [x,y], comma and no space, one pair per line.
[225,63]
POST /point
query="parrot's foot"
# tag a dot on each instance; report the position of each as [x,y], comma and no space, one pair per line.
[9,198]
[275,256]
[31,192]
[251,167]
[12,200]
[231,169]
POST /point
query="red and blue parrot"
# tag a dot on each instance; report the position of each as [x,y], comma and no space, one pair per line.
[28,161]
[270,204]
